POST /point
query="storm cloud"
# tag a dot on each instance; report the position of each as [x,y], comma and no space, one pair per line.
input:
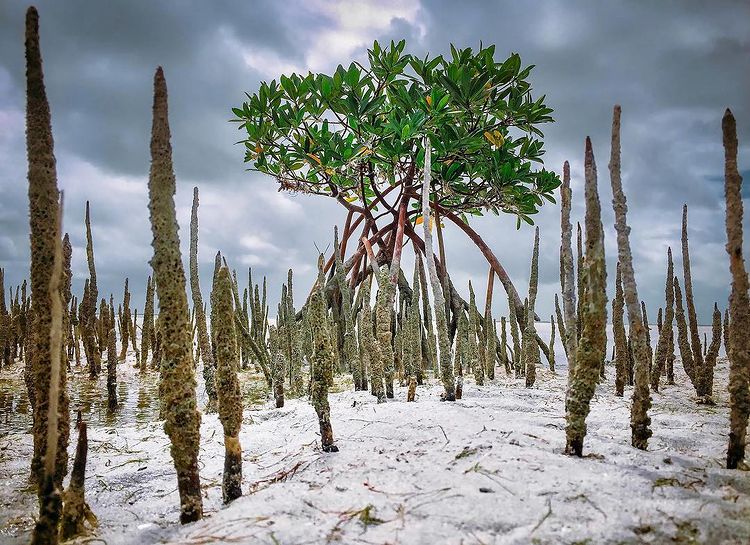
[673,66]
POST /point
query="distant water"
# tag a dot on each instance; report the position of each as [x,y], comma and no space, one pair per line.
[544,329]
[138,394]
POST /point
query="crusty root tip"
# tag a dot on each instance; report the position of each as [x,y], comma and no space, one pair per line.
[232,479]
[192,515]
[232,446]
[411,394]
[574,448]
[735,452]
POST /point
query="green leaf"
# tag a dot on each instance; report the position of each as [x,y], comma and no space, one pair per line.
[352,75]
[326,86]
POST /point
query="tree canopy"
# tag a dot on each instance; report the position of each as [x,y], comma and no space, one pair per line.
[353,134]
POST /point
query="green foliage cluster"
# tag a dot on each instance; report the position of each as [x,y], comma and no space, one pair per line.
[350,134]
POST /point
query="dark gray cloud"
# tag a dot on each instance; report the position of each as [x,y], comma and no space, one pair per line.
[674,67]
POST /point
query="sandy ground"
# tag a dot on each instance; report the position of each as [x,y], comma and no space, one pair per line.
[487,469]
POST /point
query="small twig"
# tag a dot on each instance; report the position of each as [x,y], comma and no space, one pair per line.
[281,476]
[444,434]
[435,500]
[545,517]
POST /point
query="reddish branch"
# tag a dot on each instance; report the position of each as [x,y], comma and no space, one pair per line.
[390,238]
[347,229]
[482,245]
[364,213]
[371,256]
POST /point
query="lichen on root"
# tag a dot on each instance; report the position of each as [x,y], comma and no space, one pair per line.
[706,374]
[227,384]
[590,349]
[639,420]
[209,366]
[88,305]
[76,512]
[567,275]
[322,362]
[666,331]
[531,357]
[112,358]
[147,329]
[177,384]
[621,341]
[46,244]
[739,301]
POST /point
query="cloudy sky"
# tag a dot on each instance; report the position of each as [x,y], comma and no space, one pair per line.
[672,65]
